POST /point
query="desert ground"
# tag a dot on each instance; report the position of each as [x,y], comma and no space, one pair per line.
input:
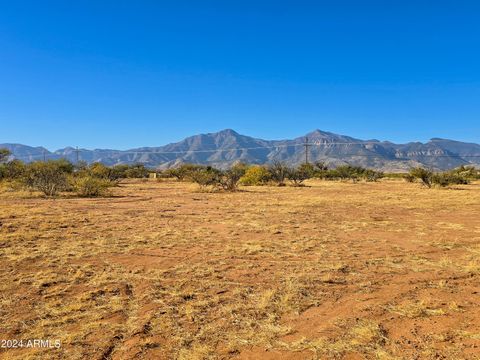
[161,270]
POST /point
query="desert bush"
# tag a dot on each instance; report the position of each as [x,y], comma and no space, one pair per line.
[229,179]
[278,172]
[447,178]
[320,169]
[89,186]
[429,178]
[348,172]
[256,175]
[205,176]
[299,174]
[183,171]
[116,172]
[424,175]
[101,171]
[12,170]
[467,172]
[63,165]
[372,175]
[49,177]
[136,171]
[4,154]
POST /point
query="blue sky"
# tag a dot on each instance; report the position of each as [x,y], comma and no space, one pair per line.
[121,74]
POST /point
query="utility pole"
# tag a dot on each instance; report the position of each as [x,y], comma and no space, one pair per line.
[307,145]
[77,151]
[44,156]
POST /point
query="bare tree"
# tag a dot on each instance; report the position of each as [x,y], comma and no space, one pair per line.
[279,172]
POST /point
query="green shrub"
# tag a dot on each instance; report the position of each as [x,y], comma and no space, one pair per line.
[349,172]
[229,179]
[183,171]
[63,165]
[345,172]
[49,177]
[136,171]
[12,170]
[98,170]
[299,174]
[447,178]
[101,171]
[256,175]
[89,186]
[372,175]
[4,154]
[429,178]
[424,175]
[205,176]
[467,172]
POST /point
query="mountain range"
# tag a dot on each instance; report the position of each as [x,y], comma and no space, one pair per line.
[223,148]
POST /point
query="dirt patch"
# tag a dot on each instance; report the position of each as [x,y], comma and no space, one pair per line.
[160,271]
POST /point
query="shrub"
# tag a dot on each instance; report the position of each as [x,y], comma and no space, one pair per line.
[229,179]
[448,178]
[300,174]
[256,175]
[12,170]
[49,177]
[98,170]
[225,180]
[372,175]
[467,172]
[89,186]
[348,172]
[424,175]
[136,171]
[429,178]
[4,154]
[205,176]
[101,171]
[183,171]
[278,171]
[63,165]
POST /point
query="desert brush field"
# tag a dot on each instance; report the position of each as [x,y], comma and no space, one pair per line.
[162,270]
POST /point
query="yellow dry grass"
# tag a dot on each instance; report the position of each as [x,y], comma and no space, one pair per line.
[160,270]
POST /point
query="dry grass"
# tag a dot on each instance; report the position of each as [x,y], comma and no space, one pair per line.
[161,271]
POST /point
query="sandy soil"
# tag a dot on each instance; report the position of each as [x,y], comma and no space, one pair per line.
[384,270]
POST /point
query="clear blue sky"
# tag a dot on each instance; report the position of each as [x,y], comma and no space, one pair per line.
[121,74]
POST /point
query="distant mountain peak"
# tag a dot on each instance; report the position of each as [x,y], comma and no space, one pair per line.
[317,132]
[226,132]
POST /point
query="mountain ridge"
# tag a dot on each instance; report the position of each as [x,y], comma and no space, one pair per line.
[225,147]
